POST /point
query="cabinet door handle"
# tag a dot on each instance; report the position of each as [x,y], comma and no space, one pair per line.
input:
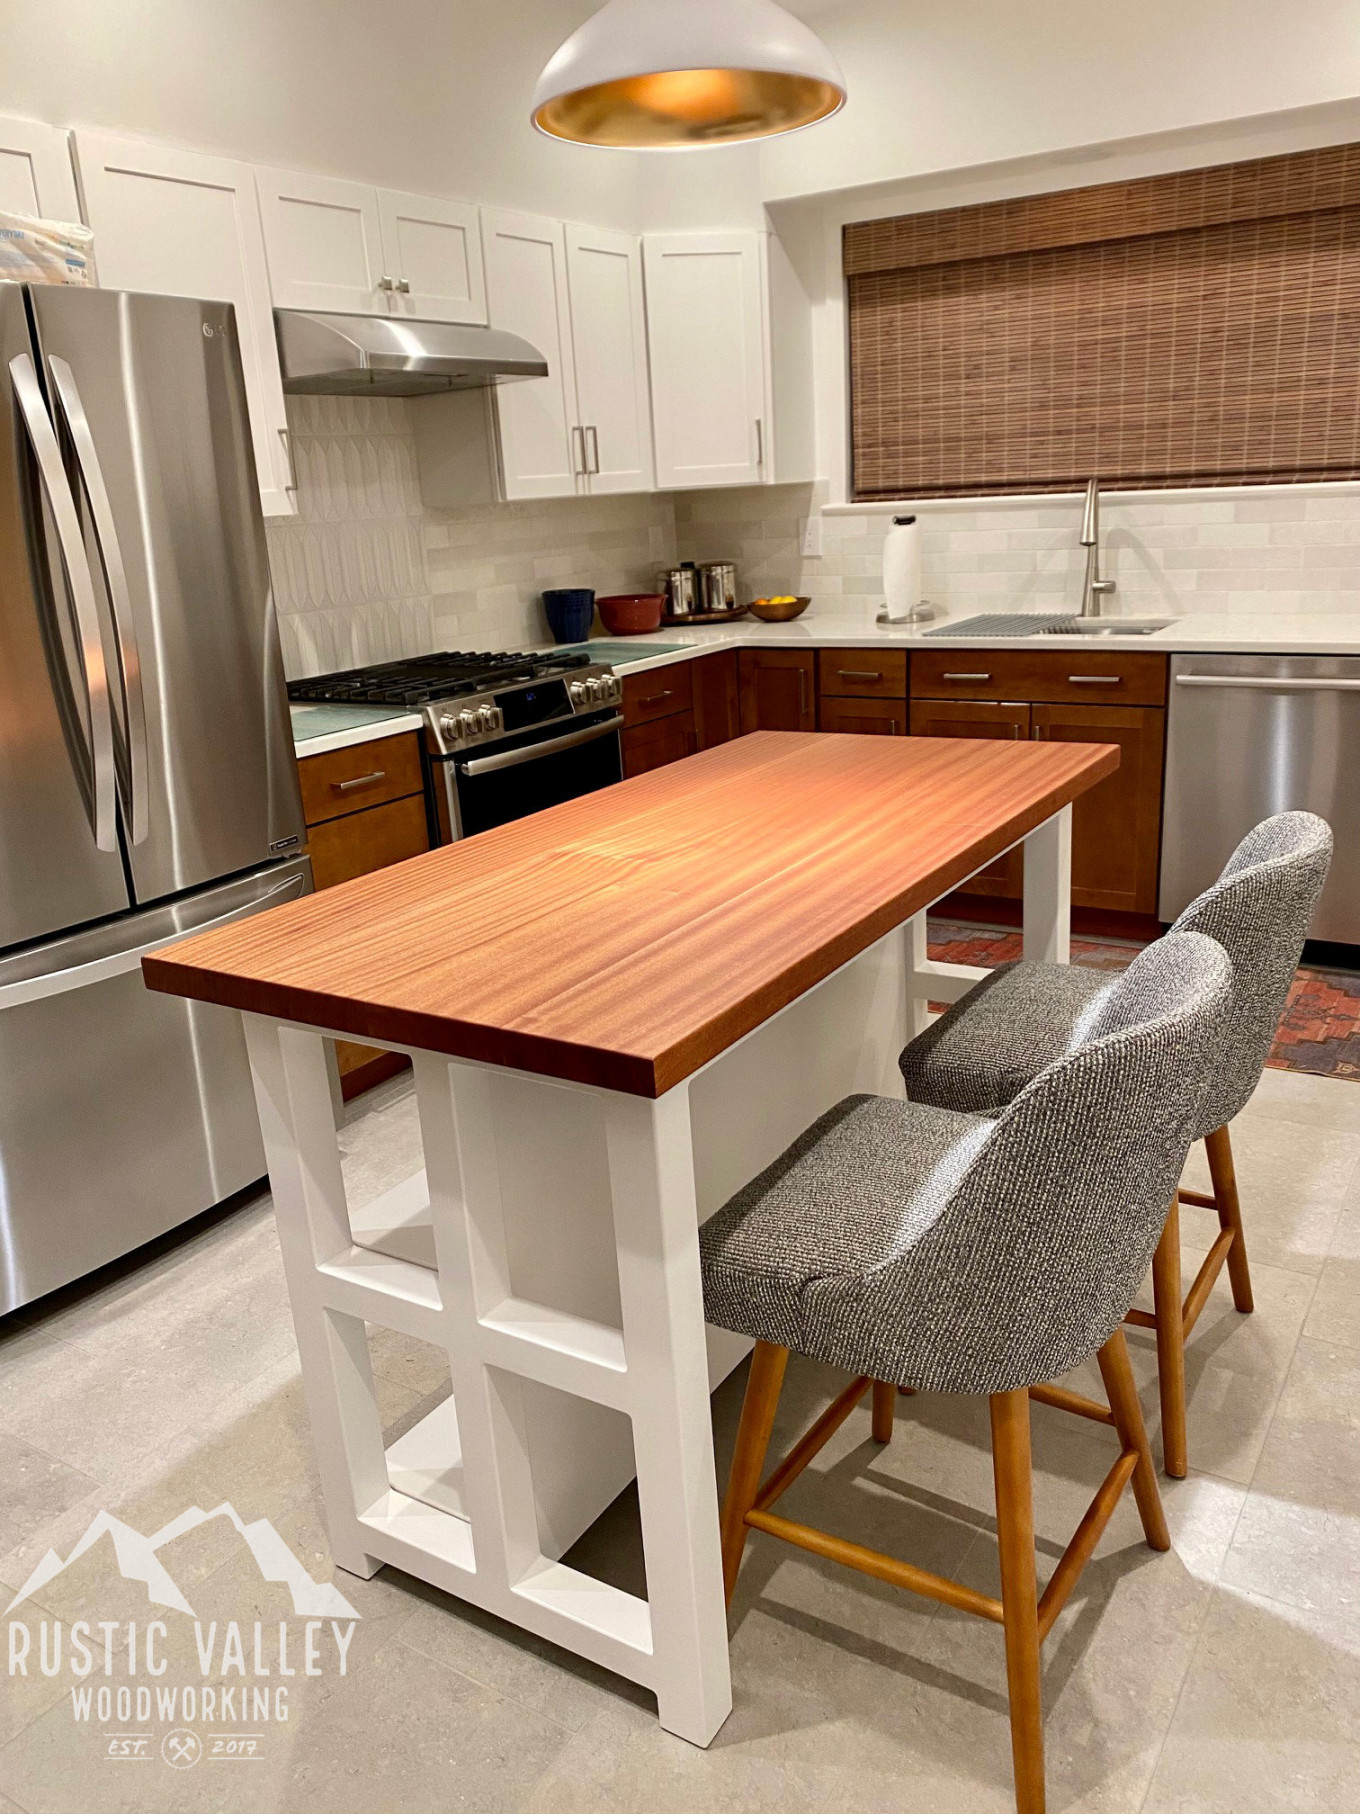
[343,787]
[802,693]
[1095,680]
[965,677]
[386,283]
[402,286]
[760,441]
[578,453]
[286,442]
[593,449]
[656,698]
[859,673]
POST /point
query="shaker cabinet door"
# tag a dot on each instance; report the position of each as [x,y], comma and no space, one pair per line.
[706,330]
[178,223]
[609,339]
[35,171]
[324,240]
[432,250]
[526,289]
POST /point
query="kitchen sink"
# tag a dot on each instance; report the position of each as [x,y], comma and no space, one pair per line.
[1107,626]
[1031,623]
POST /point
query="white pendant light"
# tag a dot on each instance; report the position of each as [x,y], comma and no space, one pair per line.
[676,74]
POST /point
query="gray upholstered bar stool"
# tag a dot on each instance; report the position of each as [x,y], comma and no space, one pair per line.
[993,1040]
[922,1247]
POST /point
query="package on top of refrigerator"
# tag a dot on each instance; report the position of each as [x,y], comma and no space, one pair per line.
[44,251]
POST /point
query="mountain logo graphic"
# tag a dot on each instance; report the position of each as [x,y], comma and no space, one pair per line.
[138,1561]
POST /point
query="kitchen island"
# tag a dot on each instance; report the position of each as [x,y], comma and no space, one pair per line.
[618,1011]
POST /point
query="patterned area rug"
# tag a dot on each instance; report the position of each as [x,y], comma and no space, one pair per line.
[1319,1032]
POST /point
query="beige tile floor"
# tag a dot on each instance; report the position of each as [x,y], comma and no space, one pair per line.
[1223,1676]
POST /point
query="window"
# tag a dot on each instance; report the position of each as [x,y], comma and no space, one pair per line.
[1201,328]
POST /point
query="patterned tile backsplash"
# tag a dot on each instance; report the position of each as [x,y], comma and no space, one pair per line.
[365,572]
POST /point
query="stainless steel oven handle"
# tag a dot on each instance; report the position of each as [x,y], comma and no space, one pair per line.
[43,439]
[124,631]
[1262,683]
[487,765]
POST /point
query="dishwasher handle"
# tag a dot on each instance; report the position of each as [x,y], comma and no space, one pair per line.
[1263,683]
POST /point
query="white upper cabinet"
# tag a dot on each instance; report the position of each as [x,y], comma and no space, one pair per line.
[526,284]
[350,249]
[432,250]
[35,171]
[609,338]
[183,224]
[707,328]
[324,240]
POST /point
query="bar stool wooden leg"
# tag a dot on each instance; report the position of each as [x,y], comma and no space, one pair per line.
[1019,1597]
[1218,1146]
[1166,1296]
[748,1458]
[885,1400]
[1117,1374]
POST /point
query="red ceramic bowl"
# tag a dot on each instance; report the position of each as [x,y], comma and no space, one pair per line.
[631,613]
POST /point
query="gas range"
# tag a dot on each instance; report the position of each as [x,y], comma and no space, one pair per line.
[470,698]
[505,734]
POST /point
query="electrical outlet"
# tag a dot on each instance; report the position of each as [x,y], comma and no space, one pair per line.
[812,538]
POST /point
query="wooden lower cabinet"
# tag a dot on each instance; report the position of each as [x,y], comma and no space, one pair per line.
[350,834]
[372,839]
[1004,879]
[717,710]
[1116,827]
[778,689]
[871,717]
[653,745]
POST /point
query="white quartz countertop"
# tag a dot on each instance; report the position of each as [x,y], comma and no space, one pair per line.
[1219,634]
[319,728]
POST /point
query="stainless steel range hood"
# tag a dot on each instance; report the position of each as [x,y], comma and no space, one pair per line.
[384,356]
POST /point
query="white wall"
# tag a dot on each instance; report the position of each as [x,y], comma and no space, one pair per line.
[430,95]
[944,84]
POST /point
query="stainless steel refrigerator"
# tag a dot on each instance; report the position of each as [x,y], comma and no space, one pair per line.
[147,781]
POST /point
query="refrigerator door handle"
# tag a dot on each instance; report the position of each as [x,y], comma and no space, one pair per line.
[115,574]
[115,963]
[43,439]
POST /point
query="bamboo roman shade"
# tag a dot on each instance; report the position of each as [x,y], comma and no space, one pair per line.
[1201,328]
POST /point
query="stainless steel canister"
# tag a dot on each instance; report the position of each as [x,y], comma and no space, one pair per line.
[681,588]
[718,586]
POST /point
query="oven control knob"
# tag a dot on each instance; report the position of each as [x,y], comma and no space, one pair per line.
[613,689]
[486,717]
[576,692]
[467,724]
[594,691]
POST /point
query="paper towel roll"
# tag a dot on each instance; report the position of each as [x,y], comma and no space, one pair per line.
[902,566]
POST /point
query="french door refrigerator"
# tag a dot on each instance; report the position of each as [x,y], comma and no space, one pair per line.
[147,780]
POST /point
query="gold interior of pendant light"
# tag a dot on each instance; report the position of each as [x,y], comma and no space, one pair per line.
[688,107]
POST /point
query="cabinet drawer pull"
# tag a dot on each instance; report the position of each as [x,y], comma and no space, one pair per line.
[859,673]
[343,787]
[965,677]
[656,698]
[1095,680]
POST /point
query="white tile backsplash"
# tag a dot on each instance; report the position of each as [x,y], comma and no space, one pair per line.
[1168,555]
[366,573]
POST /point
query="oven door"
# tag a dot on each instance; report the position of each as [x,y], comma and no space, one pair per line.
[524,774]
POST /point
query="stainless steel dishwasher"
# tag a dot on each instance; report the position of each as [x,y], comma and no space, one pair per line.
[1252,735]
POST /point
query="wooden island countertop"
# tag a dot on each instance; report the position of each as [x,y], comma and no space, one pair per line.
[626,938]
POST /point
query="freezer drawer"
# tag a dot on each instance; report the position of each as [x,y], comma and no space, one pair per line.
[122,1113]
[1252,735]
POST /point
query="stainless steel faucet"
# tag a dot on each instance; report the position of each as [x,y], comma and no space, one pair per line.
[1094,587]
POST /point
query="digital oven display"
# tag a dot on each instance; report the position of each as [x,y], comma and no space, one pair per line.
[525,706]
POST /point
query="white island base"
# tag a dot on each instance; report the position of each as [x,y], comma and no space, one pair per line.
[550,1249]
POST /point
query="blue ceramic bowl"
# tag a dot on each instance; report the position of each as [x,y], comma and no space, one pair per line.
[570,610]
